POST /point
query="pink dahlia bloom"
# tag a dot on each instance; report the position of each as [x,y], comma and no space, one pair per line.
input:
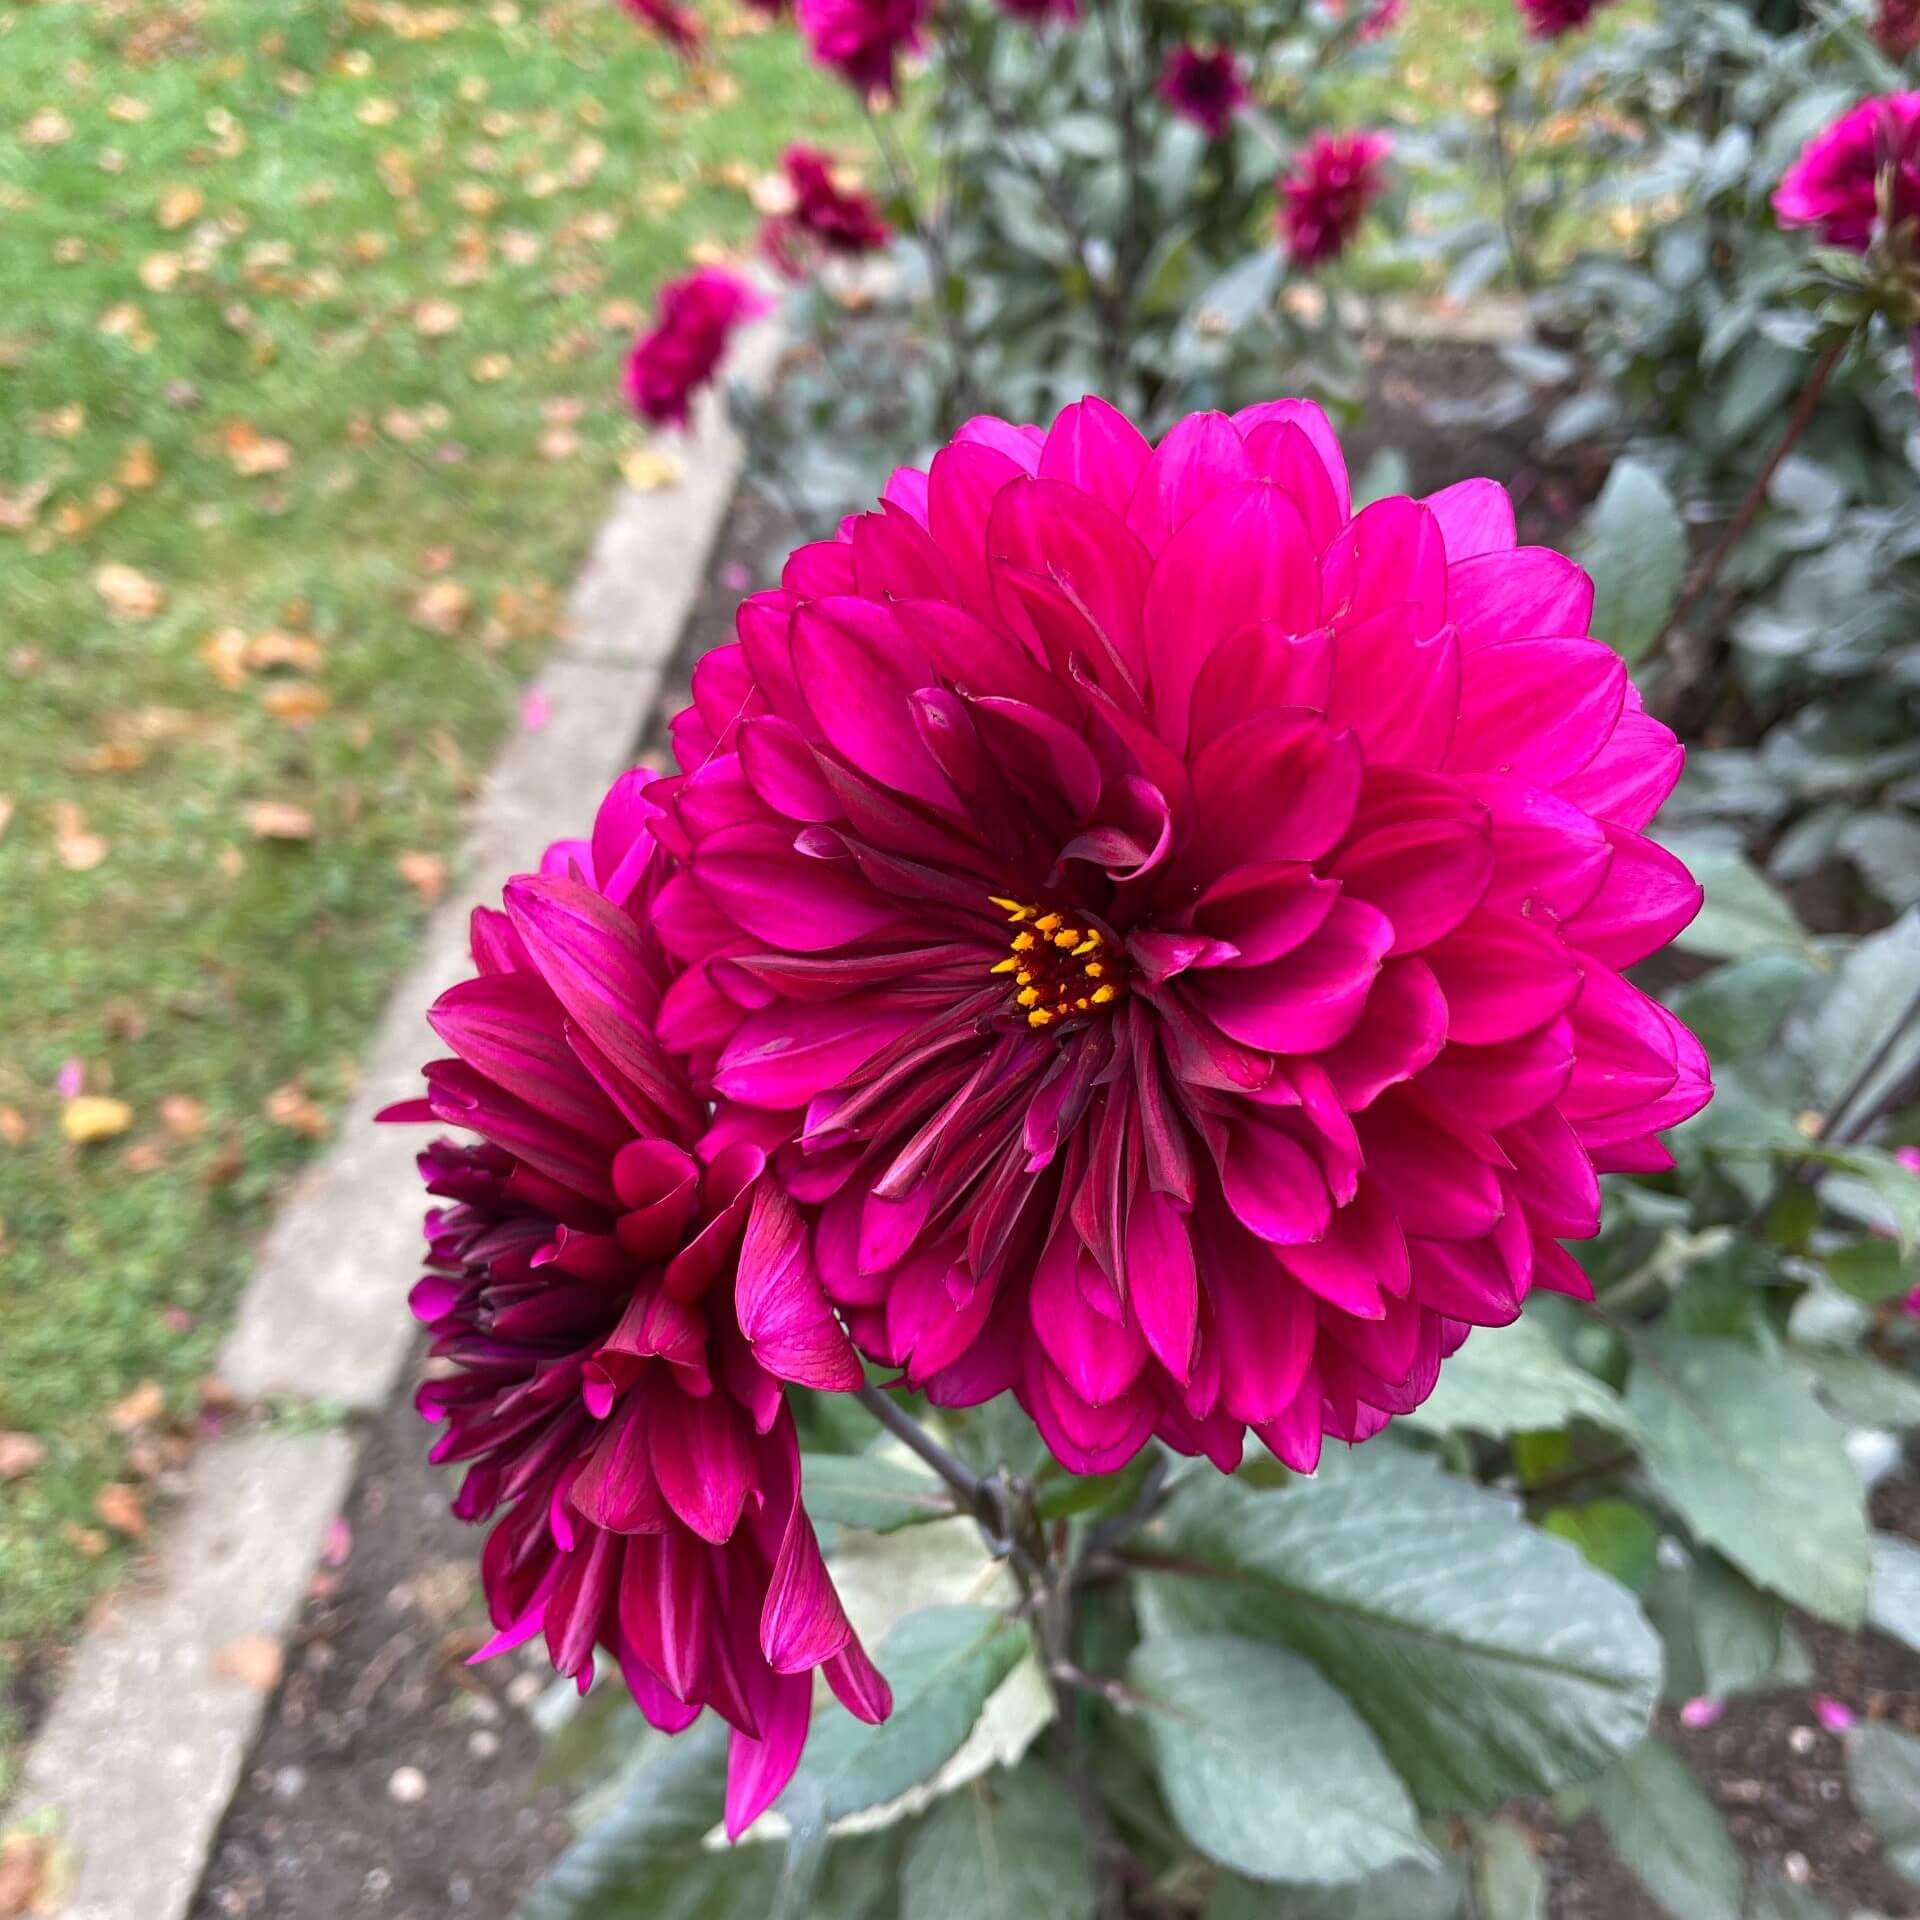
[826,216]
[1206,88]
[862,40]
[696,317]
[1896,28]
[1037,13]
[1335,178]
[635,1461]
[678,26]
[1550,19]
[1838,182]
[1180,922]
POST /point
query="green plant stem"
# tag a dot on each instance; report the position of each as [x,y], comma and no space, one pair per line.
[1749,509]
[971,1488]
[929,233]
[1838,1126]
[1518,258]
[1133,162]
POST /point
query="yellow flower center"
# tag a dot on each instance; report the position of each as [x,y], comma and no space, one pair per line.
[1059,967]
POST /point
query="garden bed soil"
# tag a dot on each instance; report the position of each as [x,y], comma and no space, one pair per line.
[392,1779]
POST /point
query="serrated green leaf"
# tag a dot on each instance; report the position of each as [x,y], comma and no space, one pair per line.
[1742,915]
[882,1496]
[1488,1657]
[1634,545]
[942,1664]
[1405,1892]
[1515,1379]
[1868,1006]
[1858,1387]
[1883,1771]
[1613,1535]
[1009,1846]
[1265,1767]
[1669,1835]
[1756,1467]
[644,1860]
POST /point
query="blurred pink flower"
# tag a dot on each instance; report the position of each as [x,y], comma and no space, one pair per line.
[1702,1711]
[695,318]
[1835,1715]
[70,1082]
[678,26]
[1206,88]
[1037,13]
[1857,177]
[1550,19]
[1378,18]
[838,220]
[1896,28]
[862,40]
[1178,924]
[1335,177]
[536,710]
[638,1466]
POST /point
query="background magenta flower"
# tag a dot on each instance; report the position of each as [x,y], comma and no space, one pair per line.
[1896,28]
[1181,923]
[843,221]
[1206,88]
[637,1463]
[1325,195]
[1037,13]
[862,40]
[1837,182]
[695,318]
[1549,19]
[678,26]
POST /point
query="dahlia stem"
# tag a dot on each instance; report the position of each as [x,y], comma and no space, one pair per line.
[949,1466]
[1749,509]
[1518,259]
[1838,1127]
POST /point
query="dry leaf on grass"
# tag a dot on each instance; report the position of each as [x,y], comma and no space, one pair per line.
[14,1131]
[296,703]
[92,1117]
[279,820]
[253,453]
[183,1116]
[177,205]
[139,1408]
[24,1861]
[20,1455]
[442,606]
[425,873]
[119,1506]
[129,593]
[291,1106]
[435,319]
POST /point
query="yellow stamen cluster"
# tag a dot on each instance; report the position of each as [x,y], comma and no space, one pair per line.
[1059,969]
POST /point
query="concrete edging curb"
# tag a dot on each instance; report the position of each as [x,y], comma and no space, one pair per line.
[143,1745]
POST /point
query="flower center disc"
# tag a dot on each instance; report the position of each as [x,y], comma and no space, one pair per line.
[1060,967]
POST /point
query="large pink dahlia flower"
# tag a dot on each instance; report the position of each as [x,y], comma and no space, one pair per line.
[1858,176]
[637,1463]
[1179,922]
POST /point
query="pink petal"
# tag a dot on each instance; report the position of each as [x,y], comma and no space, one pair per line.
[1526,594]
[1311,418]
[1273,1185]
[1502,976]
[1630,778]
[1281,786]
[1439,1188]
[758,1770]
[784,1312]
[1405,1026]
[1647,898]
[1475,516]
[1310,998]
[780,896]
[1101,1358]
[702,1462]
[1096,448]
[1162,1285]
[1537,709]
[1200,457]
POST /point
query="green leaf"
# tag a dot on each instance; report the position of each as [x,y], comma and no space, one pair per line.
[1870,1270]
[1738,1009]
[1742,914]
[882,1496]
[1009,1846]
[644,1860]
[1756,1467]
[1867,1006]
[1515,1379]
[942,1663]
[1777,1899]
[1488,1657]
[1858,1387]
[1613,1535]
[1405,1892]
[1883,1771]
[1740,1633]
[1893,1594]
[1508,1883]
[1871,1186]
[1669,1835]
[1635,546]
[1265,1768]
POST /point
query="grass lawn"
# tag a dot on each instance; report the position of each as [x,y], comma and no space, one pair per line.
[311,320]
